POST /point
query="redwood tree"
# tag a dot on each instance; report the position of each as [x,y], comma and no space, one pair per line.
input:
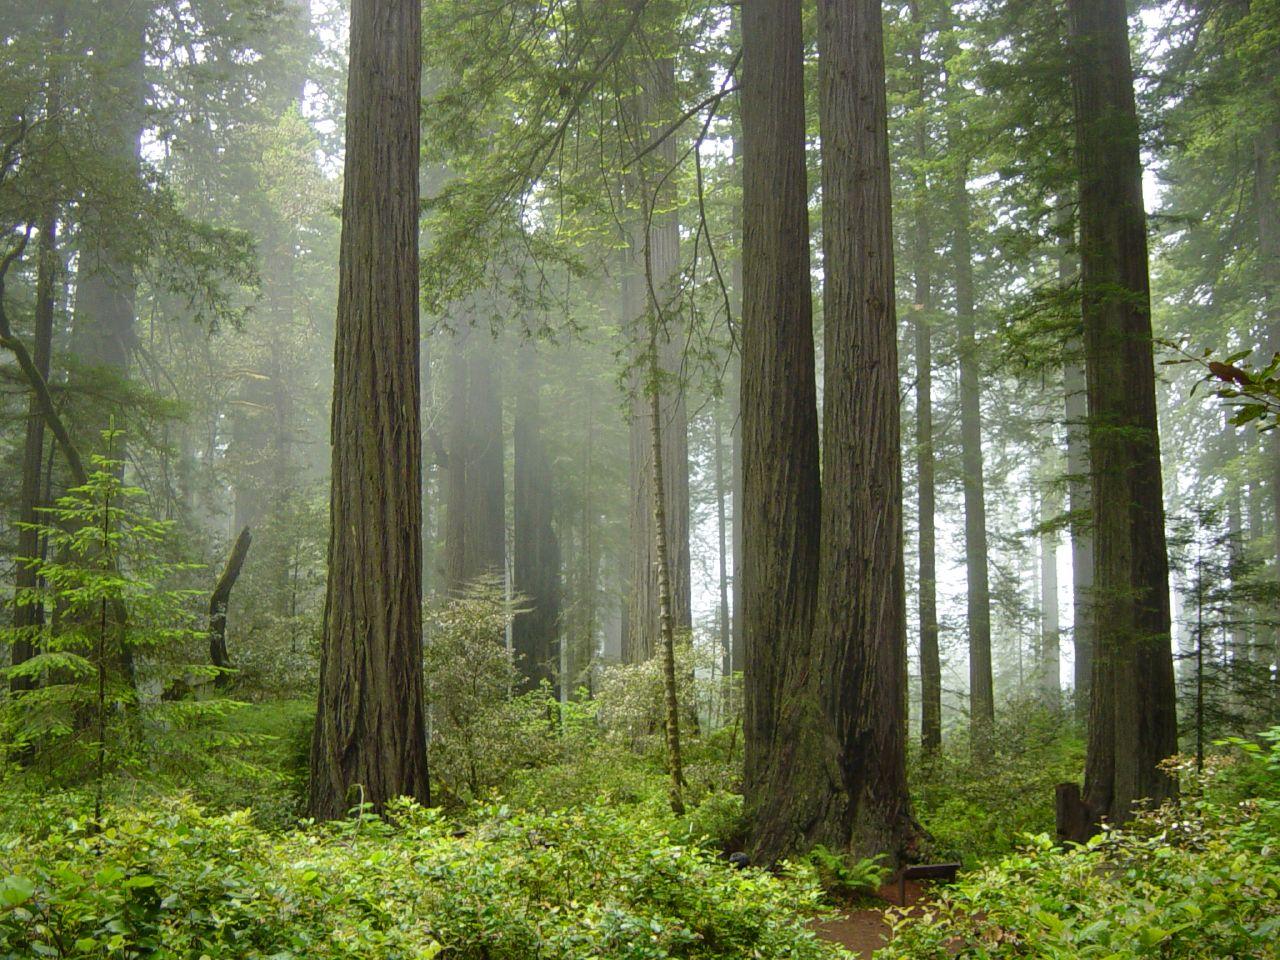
[1132,717]
[836,770]
[779,417]
[369,742]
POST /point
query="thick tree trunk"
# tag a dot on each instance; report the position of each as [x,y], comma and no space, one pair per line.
[369,743]
[780,498]
[535,633]
[922,256]
[837,771]
[475,505]
[978,595]
[1132,720]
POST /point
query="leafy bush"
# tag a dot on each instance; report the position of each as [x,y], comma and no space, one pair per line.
[480,734]
[1189,881]
[975,808]
[514,886]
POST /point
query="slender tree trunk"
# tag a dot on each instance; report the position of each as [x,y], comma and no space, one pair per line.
[1050,671]
[1079,489]
[922,256]
[981,687]
[1132,720]
[28,618]
[654,264]
[535,633]
[658,485]
[780,497]
[369,743]
[837,772]
[220,599]
[726,642]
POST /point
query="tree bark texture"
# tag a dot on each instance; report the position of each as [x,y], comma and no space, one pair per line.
[1080,494]
[535,633]
[369,743]
[1132,713]
[779,421]
[837,772]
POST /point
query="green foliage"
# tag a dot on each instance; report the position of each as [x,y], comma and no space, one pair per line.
[589,884]
[107,664]
[480,734]
[841,875]
[1190,881]
[975,808]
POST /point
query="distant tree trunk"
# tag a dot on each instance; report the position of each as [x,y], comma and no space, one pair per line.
[536,552]
[922,257]
[106,283]
[981,688]
[219,600]
[1050,670]
[369,743]
[779,422]
[654,265]
[28,618]
[837,772]
[1133,725]
[475,502]
[726,641]
[734,393]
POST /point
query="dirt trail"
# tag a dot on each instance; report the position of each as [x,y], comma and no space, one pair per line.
[863,931]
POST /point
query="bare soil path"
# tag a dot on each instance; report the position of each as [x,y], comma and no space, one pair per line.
[864,930]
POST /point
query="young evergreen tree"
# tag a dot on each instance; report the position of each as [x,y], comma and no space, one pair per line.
[369,742]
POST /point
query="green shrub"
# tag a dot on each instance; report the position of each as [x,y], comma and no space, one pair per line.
[1193,881]
[174,882]
[975,808]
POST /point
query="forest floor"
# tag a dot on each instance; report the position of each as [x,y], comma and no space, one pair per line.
[865,929]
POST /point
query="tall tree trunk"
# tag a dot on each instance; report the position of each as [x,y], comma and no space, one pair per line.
[106,285]
[779,421]
[369,743]
[28,618]
[981,688]
[653,273]
[475,504]
[535,633]
[1050,670]
[922,257]
[837,772]
[1132,718]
